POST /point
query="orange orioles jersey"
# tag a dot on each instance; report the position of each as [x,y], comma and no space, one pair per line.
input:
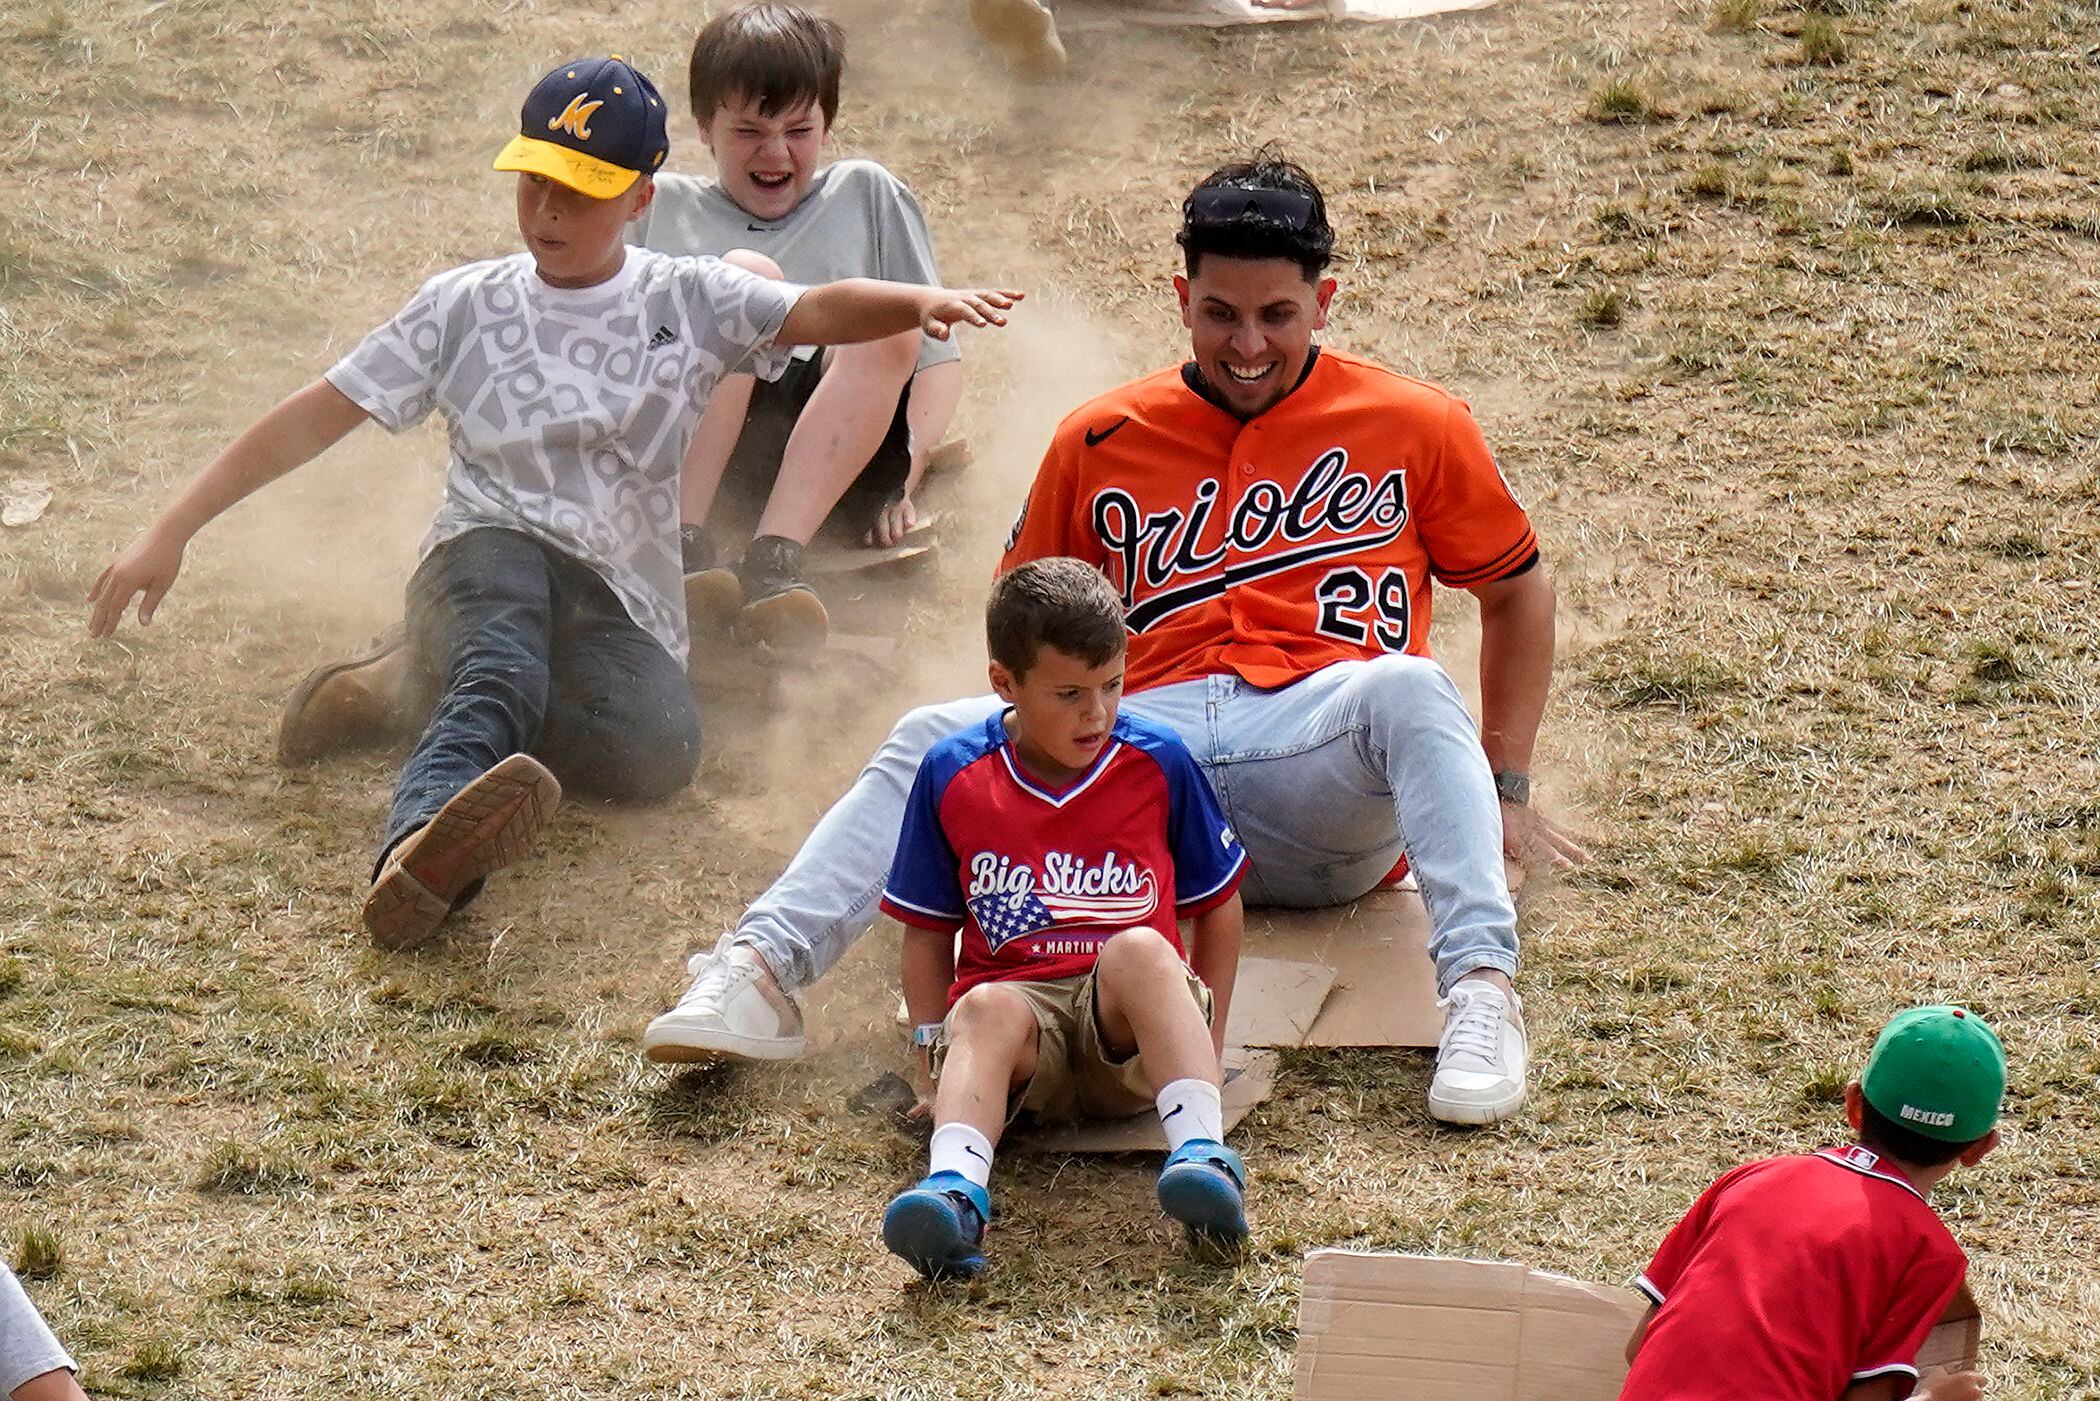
[1274,547]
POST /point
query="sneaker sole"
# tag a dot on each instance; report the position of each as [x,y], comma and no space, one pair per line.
[1458,1111]
[486,826]
[1203,1200]
[925,1232]
[793,621]
[304,736]
[713,598]
[692,1049]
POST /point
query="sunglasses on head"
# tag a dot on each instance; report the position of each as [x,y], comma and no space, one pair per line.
[1231,204]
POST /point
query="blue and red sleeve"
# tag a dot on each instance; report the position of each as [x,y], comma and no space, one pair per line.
[925,884]
[1209,861]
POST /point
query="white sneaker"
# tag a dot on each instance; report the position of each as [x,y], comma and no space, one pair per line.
[1481,1057]
[734,1010]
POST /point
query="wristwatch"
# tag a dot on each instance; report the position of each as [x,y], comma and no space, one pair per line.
[926,1034]
[1513,787]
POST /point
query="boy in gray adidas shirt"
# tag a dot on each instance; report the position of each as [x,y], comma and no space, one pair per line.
[548,608]
[839,440]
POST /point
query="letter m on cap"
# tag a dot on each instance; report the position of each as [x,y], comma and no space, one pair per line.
[575,118]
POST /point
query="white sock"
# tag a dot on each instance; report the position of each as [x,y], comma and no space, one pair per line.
[961,1149]
[1191,1109]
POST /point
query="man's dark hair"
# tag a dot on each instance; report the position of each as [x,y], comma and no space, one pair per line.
[1906,1145]
[779,56]
[1058,602]
[1281,214]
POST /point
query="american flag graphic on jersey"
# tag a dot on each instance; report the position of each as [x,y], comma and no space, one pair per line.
[1008,914]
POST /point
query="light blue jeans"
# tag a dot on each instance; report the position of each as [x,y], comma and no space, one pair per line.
[1328,781]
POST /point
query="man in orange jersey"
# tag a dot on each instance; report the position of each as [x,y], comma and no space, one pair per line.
[1273,513]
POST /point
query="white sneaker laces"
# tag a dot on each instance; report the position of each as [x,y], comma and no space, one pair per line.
[718,982]
[1475,1029]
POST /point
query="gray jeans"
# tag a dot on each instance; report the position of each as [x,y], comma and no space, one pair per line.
[1328,781]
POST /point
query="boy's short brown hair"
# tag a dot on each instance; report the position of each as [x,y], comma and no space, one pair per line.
[780,56]
[1058,602]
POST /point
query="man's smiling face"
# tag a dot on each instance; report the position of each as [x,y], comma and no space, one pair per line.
[1251,323]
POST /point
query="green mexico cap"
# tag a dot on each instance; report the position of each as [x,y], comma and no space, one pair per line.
[1938,1071]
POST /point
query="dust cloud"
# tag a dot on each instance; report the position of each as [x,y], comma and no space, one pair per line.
[1052,357]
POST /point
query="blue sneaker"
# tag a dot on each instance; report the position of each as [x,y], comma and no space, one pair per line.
[1201,1187]
[939,1226]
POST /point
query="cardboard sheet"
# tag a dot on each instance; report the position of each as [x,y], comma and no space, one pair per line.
[1250,1076]
[1954,1341]
[1378,947]
[1430,1329]
[1076,16]
[1275,1001]
[1457,1330]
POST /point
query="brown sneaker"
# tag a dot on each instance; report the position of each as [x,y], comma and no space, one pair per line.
[357,704]
[713,600]
[712,594]
[1025,34]
[487,825]
[779,609]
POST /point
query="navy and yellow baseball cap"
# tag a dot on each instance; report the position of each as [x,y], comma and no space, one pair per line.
[593,125]
[1938,1071]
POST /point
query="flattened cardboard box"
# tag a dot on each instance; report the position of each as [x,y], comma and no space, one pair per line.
[1373,1325]
[1377,947]
[1430,1329]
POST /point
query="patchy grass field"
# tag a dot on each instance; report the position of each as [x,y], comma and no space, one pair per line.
[1783,321]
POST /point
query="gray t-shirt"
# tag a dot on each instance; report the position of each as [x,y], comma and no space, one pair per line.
[570,409]
[28,1348]
[857,220]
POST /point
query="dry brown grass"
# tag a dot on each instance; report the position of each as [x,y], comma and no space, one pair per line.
[1813,455]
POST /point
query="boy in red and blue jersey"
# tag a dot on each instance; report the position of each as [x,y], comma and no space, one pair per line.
[1816,1277]
[1065,844]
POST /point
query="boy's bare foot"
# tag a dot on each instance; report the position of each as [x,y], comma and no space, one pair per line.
[487,825]
[1025,34]
[354,704]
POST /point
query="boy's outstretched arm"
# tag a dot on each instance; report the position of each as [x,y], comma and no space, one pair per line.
[927,969]
[1215,958]
[863,309]
[295,432]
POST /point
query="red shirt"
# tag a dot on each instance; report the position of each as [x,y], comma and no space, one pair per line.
[1791,1279]
[1037,878]
[1272,547]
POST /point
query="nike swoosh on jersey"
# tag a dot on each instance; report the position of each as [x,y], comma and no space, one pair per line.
[1095,437]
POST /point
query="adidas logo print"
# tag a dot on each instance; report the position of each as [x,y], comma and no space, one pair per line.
[664,336]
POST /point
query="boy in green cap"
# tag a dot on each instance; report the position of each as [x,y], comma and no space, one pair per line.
[1816,1277]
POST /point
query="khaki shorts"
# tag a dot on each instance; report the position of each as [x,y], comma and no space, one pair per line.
[1076,1077]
